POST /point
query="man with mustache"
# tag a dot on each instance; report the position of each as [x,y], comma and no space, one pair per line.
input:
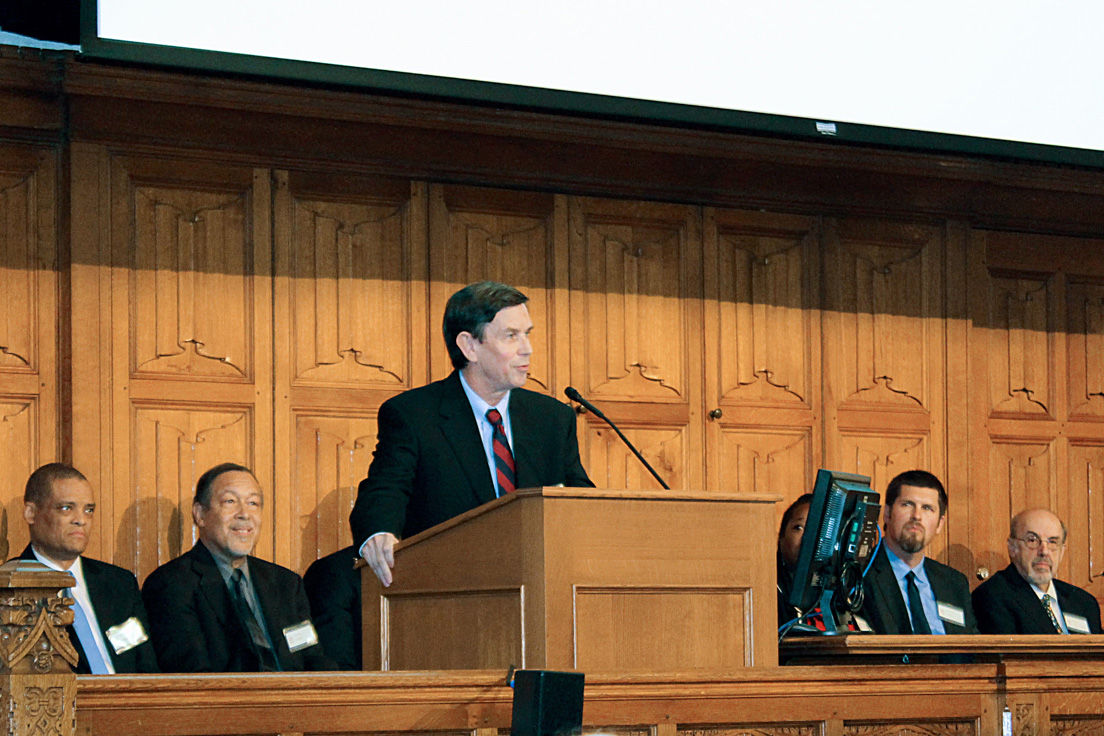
[1025,597]
[216,608]
[906,592]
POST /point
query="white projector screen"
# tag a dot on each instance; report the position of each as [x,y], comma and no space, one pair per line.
[993,71]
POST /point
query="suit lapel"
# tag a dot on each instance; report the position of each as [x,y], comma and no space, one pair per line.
[462,434]
[522,427]
[213,586]
[1033,607]
[887,592]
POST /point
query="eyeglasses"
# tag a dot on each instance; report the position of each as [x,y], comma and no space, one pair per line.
[1034,541]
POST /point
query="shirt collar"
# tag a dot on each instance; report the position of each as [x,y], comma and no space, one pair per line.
[1049,591]
[901,568]
[478,405]
[76,569]
[225,568]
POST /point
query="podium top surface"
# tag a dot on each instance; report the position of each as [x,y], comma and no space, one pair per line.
[607,494]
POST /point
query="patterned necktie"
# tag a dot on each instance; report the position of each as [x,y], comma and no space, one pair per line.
[1050,612]
[83,628]
[916,607]
[504,459]
[261,645]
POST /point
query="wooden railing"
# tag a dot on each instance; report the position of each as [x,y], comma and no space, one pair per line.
[42,697]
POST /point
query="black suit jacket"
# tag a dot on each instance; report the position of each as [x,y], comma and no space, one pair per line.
[429,463]
[885,609]
[115,598]
[1006,604]
[333,588]
[196,629]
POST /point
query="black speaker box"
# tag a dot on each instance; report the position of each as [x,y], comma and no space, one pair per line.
[547,703]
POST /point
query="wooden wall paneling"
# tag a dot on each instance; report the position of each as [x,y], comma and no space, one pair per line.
[479,234]
[185,308]
[762,352]
[1085,429]
[1038,433]
[961,503]
[350,325]
[90,339]
[29,360]
[884,350]
[635,274]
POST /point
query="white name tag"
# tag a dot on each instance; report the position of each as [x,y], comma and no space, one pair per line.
[1076,624]
[127,635]
[301,636]
[951,614]
[861,623]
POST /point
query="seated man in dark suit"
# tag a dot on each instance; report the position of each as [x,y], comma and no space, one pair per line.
[905,591]
[218,609]
[1025,597]
[448,447]
[333,588]
[110,624]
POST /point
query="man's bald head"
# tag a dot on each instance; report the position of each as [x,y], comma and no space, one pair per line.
[1036,543]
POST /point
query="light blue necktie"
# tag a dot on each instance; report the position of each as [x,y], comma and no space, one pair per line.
[87,640]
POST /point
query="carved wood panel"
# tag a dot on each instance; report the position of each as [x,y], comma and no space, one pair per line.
[763,459]
[755,729]
[191,301]
[635,332]
[915,728]
[331,457]
[630,271]
[761,280]
[480,234]
[347,265]
[885,286]
[612,465]
[1084,558]
[1085,349]
[1020,361]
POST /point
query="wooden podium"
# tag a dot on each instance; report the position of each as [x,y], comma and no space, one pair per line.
[586,579]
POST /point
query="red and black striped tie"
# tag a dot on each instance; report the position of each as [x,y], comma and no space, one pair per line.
[504,459]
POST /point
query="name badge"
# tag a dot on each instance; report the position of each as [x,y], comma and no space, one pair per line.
[127,635]
[1076,624]
[861,623]
[951,614]
[301,636]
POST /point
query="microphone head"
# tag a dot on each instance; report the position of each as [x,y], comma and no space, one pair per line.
[572,394]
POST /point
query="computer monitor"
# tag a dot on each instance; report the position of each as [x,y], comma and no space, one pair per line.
[841,535]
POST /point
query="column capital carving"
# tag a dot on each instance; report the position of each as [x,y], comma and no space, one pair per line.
[33,617]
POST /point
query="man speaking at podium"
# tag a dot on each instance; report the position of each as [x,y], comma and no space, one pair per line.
[448,447]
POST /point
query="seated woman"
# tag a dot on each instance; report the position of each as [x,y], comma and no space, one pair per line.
[789,544]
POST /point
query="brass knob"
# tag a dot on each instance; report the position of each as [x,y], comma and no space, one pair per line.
[716,414]
[982,573]
[580,409]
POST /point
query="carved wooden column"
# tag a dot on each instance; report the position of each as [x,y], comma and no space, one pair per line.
[36,657]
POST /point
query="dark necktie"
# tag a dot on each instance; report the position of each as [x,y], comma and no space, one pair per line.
[916,607]
[504,459]
[1050,612]
[261,645]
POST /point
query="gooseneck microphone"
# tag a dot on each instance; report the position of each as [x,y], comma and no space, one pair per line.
[575,396]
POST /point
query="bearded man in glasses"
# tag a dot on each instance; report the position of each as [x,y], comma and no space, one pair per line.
[1025,597]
